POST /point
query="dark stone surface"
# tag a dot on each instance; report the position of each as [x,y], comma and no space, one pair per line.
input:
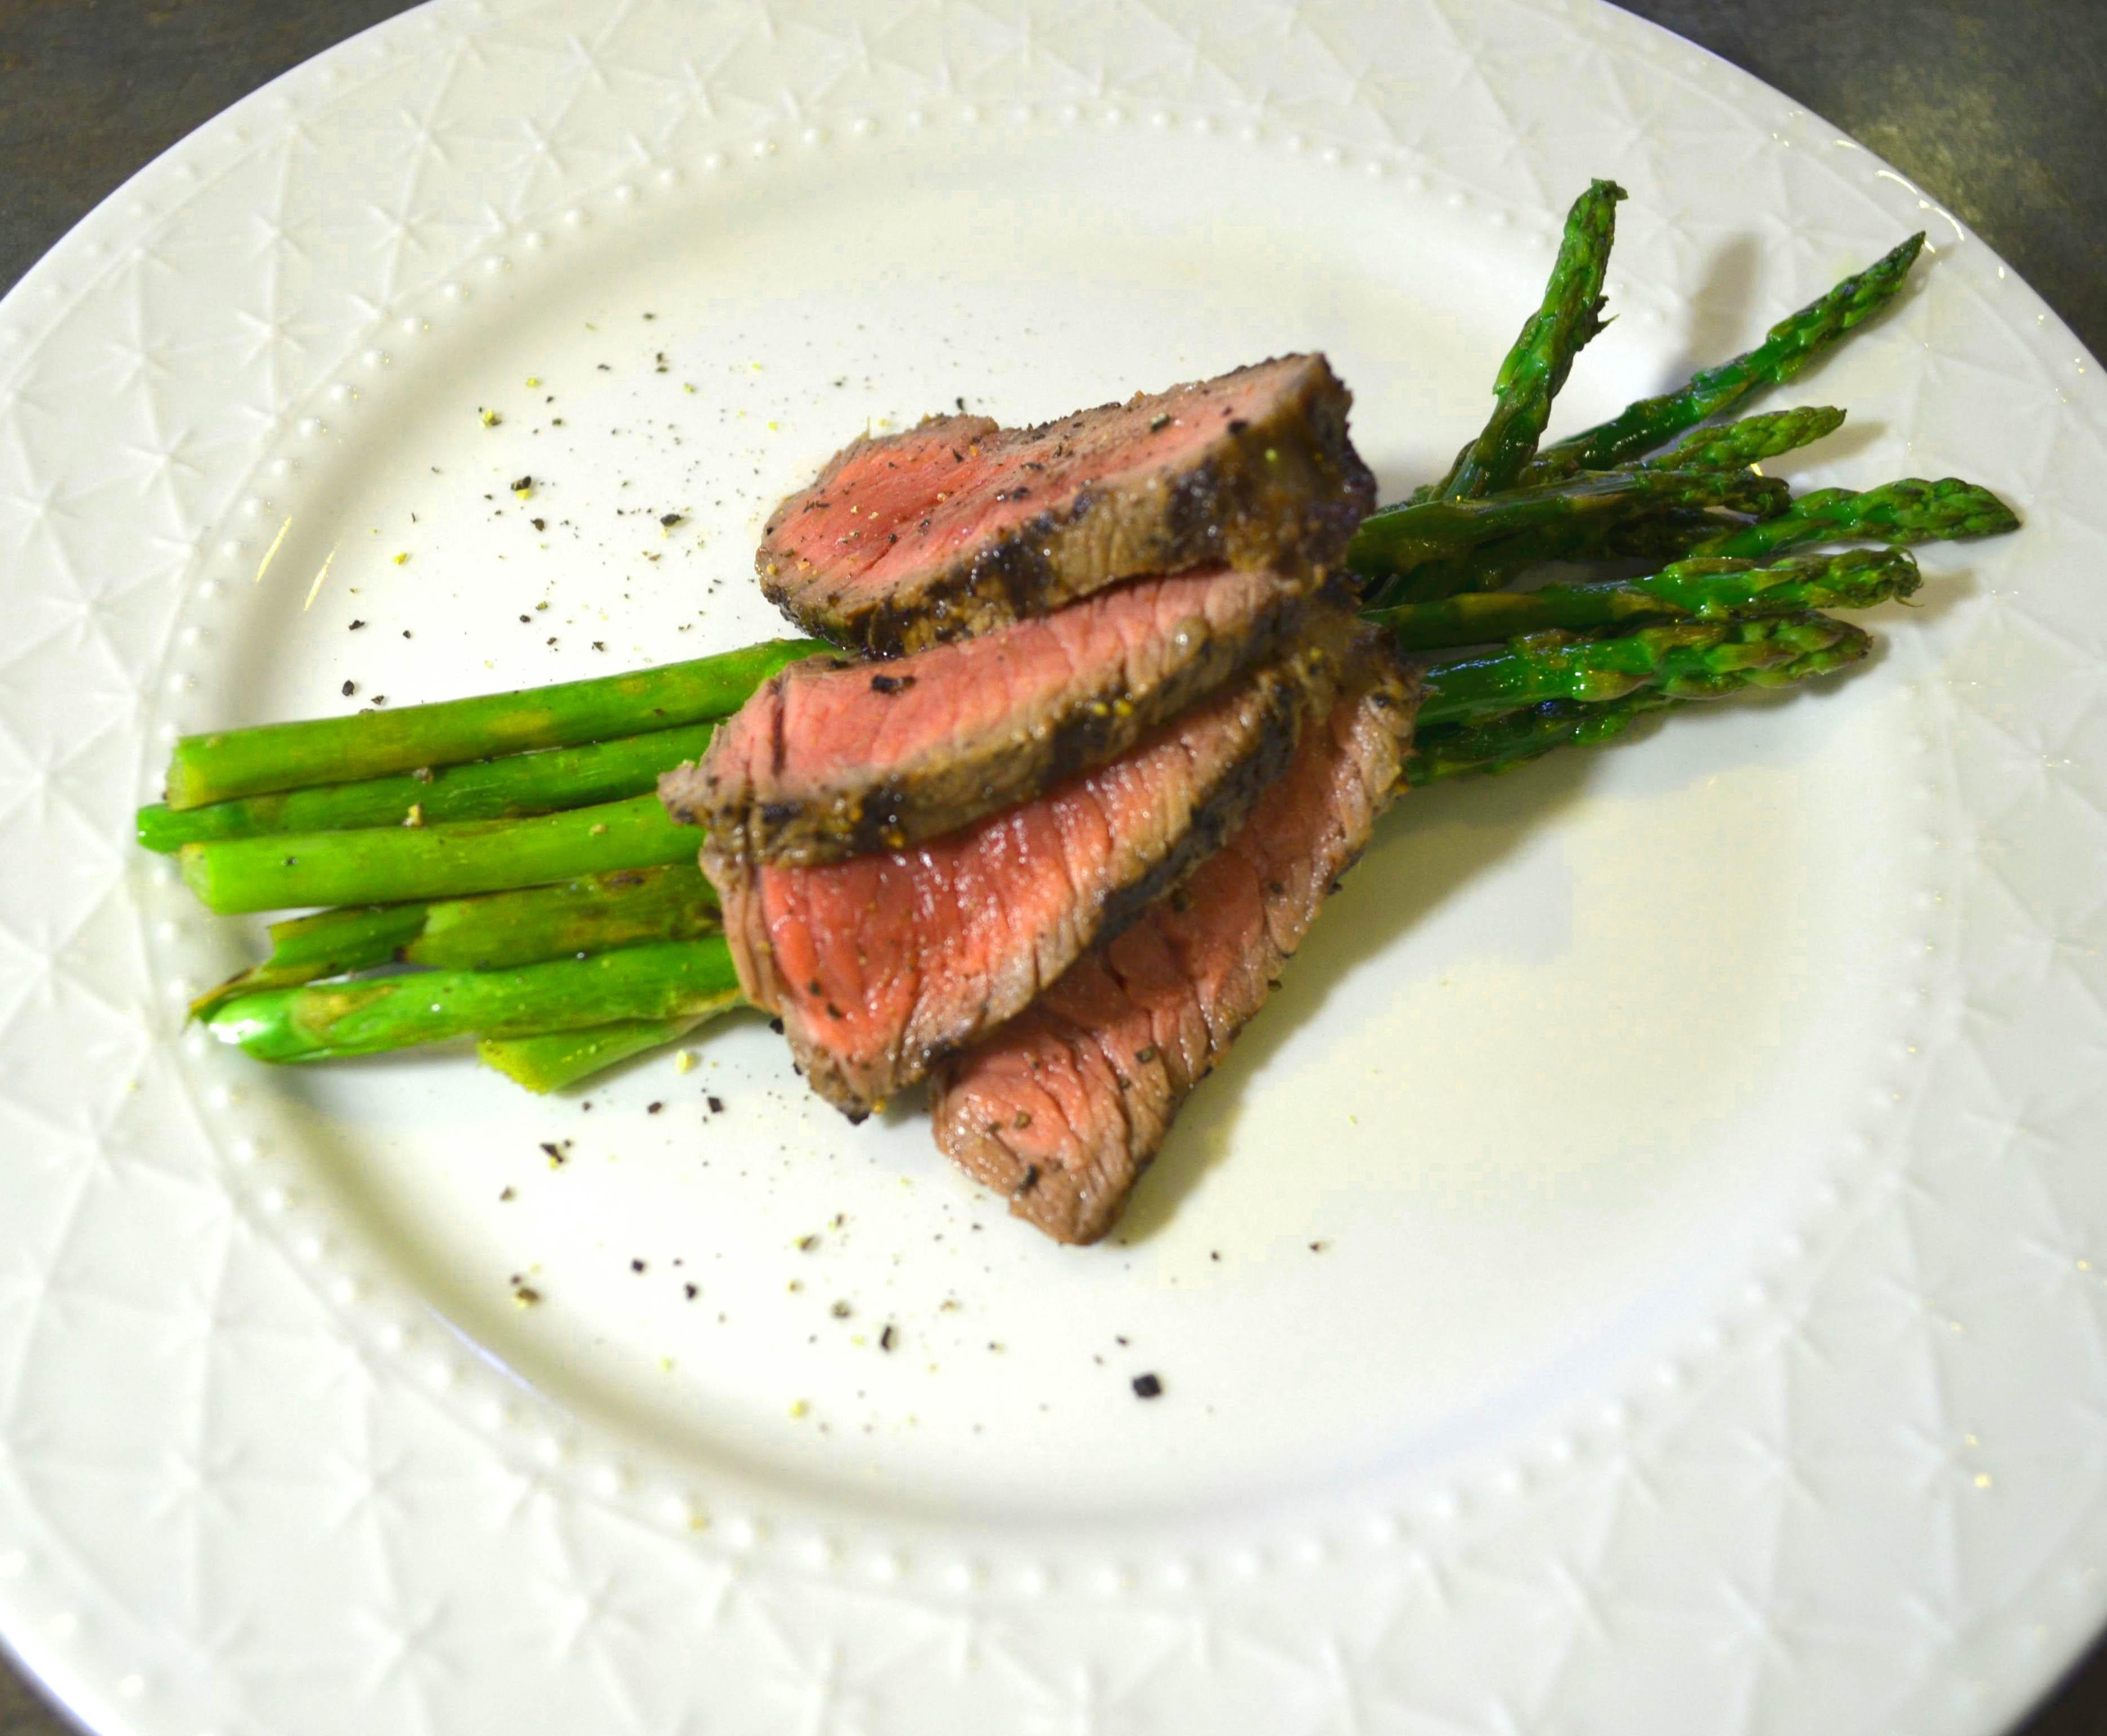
[1994,108]
[1997,109]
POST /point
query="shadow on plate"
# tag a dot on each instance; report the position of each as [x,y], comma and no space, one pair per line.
[1422,856]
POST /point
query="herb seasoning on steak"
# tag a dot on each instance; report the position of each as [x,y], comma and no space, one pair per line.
[1062,1108]
[958,526]
[881,965]
[828,760]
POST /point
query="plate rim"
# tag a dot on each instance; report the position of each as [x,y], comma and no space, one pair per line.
[390,40]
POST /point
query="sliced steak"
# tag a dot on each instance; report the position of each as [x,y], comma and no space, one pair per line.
[881,965]
[958,526]
[833,759]
[1062,1108]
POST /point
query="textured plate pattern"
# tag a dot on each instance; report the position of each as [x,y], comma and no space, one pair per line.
[1869,1499]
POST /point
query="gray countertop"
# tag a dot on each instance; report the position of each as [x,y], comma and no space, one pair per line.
[1994,108]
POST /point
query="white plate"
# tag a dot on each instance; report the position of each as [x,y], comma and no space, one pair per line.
[1638,1277]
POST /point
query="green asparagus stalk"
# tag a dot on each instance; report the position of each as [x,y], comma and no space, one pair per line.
[1393,542]
[557,1060]
[507,789]
[1705,590]
[1657,536]
[1510,740]
[1663,535]
[1516,739]
[1790,346]
[1686,660]
[398,865]
[392,865]
[1733,446]
[623,908]
[1536,366]
[228,763]
[331,943]
[629,998]
[1910,510]
[1906,512]
[672,980]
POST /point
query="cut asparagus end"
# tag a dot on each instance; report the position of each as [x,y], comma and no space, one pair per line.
[228,763]
[394,865]
[559,1059]
[510,788]
[671,979]
[625,907]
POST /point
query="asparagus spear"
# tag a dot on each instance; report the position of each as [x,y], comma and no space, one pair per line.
[1905,511]
[1536,366]
[1657,536]
[550,1024]
[1664,536]
[619,1002]
[558,1058]
[1513,739]
[1393,542]
[228,763]
[507,789]
[674,979]
[622,908]
[1732,445]
[1910,510]
[329,944]
[1790,346]
[1686,660]
[1705,590]
[392,865]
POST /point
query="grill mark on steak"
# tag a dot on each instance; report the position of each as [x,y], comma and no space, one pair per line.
[1251,468]
[826,760]
[880,966]
[1062,1108]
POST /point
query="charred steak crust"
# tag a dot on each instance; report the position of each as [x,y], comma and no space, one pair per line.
[1293,691]
[831,759]
[881,965]
[1063,1108]
[910,539]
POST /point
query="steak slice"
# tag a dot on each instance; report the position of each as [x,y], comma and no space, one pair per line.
[831,759]
[1062,1108]
[958,526]
[881,965]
